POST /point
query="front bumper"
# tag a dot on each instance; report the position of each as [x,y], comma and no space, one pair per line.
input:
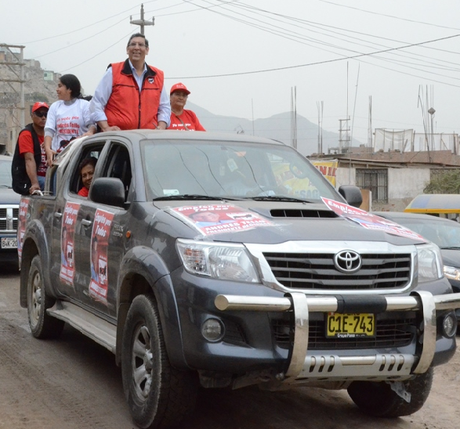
[322,366]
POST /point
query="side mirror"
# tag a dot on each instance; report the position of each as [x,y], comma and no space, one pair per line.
[108,190]
[352,195]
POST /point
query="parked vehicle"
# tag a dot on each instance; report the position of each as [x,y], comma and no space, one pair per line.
[9,208]
[229,260]
[440,205]
[443,232]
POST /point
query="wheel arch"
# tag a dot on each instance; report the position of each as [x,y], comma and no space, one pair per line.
[35,242]
[144,272]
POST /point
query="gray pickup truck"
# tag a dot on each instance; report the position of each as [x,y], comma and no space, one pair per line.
[228,261]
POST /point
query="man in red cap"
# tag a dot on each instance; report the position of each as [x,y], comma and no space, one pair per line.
[182,119]
[29,160]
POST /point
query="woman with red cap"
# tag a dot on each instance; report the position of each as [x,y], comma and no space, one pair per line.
[182,119]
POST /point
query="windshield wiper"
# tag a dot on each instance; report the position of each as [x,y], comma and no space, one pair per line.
[279,198]
[450,248]
[192,197]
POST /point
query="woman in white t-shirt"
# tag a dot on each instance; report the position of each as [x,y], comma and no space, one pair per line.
[68,117]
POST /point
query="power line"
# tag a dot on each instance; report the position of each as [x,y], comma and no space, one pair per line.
[320,62]
[282,32]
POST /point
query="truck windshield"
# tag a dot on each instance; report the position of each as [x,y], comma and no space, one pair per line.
[230,170]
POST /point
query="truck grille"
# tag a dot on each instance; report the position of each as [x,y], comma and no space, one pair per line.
[317,271]
[395,332]
[9,219]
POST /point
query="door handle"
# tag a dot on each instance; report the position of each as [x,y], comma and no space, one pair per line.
[86,222]
[57,215]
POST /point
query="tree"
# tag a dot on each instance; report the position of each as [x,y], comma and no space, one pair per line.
[445,182]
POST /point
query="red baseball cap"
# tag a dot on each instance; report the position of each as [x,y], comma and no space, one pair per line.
[179,86]
[39,105]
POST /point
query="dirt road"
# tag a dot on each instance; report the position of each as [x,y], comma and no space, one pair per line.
[73,383]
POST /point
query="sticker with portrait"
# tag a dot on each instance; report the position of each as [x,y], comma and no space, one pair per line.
[98,287]
[67,271]
[220,218]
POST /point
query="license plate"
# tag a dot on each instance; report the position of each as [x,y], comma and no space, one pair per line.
[9,243]
[350,325]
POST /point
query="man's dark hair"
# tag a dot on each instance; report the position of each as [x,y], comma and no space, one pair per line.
[71,82]
[138,35]
[88,161]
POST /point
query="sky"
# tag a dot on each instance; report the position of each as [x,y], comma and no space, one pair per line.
[359,64]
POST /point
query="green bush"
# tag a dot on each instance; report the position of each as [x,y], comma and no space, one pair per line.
[445,182]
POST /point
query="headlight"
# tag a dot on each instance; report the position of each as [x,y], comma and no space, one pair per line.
[429,263]
[451,273]
[224,262]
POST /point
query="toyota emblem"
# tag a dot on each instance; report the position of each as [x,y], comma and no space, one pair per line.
[347,261]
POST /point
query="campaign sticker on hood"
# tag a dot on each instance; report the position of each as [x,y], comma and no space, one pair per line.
[220,218]
[369,220]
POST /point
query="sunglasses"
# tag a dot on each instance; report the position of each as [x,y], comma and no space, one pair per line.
[41,114]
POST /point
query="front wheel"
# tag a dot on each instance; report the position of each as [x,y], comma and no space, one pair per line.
[380,400]
[41,324]
[158,395]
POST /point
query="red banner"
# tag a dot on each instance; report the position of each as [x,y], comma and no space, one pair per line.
[69,220]
[99,249]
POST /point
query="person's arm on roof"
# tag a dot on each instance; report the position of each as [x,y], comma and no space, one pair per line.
[50,131]
[89,123]
[164,110]
[31,170]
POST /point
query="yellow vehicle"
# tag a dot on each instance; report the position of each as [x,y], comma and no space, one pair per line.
[441,205]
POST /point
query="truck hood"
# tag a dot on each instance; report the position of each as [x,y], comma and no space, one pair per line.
[270,223]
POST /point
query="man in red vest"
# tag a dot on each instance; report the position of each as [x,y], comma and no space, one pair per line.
[131,94]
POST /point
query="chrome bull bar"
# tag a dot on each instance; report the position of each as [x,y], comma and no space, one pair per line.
[302,305]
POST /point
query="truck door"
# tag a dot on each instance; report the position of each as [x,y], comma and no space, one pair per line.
[65,269]
[101,237]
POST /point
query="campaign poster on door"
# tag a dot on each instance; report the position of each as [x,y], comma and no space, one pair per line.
[98,286]
[69,220]
[22,217]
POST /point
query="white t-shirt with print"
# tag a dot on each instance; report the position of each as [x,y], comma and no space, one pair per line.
[67,119]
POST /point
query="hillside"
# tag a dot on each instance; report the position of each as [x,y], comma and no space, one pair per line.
[277,127]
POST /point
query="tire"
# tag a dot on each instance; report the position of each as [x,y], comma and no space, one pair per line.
[158,395]
[41,324]
[379,400]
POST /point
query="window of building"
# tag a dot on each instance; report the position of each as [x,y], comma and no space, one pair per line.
[374,180]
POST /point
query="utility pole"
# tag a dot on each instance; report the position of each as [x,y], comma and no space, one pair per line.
[319,106]
[142,22]
[344,135]
[369,130]
[294,116]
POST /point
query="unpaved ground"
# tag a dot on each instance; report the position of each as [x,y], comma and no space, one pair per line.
[73,383]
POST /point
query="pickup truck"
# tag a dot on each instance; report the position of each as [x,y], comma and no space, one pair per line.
[9,209]
[228,260]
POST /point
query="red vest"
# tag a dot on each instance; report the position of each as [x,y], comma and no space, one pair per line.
[128,108]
